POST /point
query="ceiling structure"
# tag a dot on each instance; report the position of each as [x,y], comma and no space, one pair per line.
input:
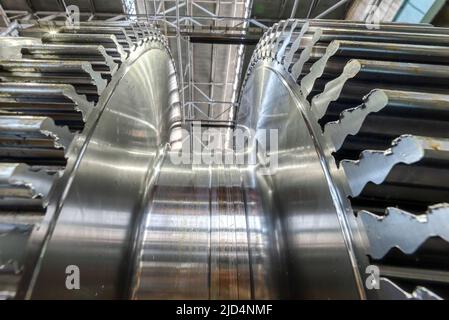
[218,37]
[210,70]
[205,37]
[88,6]
[211,40]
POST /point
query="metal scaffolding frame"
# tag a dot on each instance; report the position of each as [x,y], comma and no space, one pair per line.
[4,17]
[187,28]
[184,27]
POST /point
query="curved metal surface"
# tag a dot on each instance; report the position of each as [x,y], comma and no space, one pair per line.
[351,172]
[108,179]
[223,232]
[317,254]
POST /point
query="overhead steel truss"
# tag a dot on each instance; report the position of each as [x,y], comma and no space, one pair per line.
[188,28]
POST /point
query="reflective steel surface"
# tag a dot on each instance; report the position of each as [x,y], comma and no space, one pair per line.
[113,164]
[355,178]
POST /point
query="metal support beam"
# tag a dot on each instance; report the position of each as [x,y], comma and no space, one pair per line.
[179,47]
[199,20]
[331,9]
[175,8]
[204,9]
[11,28]
[117,18]
[223,39]
[4,16]
[311,8]
[295,9]
[30,5]
[92,6]
[51,17]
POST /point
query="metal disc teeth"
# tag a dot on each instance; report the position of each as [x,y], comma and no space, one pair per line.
[120,33]
[415,77]
[333,89]
[287,41]
[317,69]
[383,232]
[109,42]
[85,80]
[57,101]
[47,88]
[298,67]
[413,166]
[351,120]
[383,51]
[369,90]
[14,241]
[282,43]
[375,166]
[389,114]
[95,55]
[417,35]
[391,291]
[23,199]
[19,181]
[33,140]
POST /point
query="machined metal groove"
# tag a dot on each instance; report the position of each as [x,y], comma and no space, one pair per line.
[61,136]
[75,156]
[338,89]
[32,140]
[330,34]
[338,47]
[384,26]
[79,74]
[10,46]
[23,198]
[429,54]
[22,182]
[419,105]
[219,231]
[385,116]
[119,33]
[267,48]
[95,55]
[275,39]
[390,290]
[109,42]
[133,30]
[72,67]
[414,274]
[33,99]
[355,90]
[14,240]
